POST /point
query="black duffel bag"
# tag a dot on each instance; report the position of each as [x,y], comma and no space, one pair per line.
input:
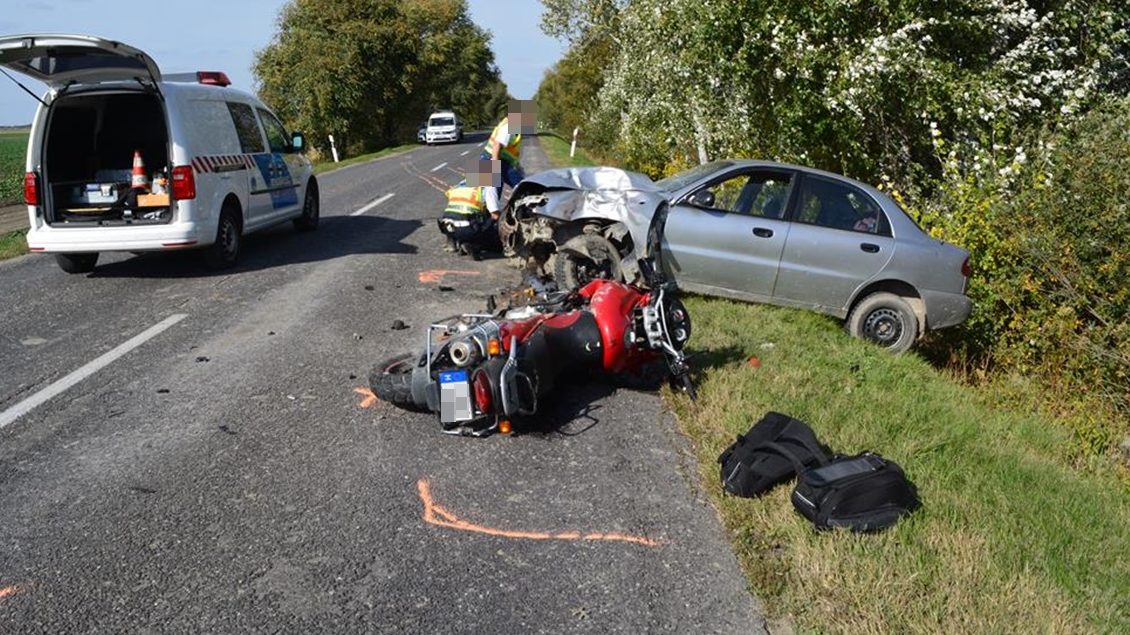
[772,452]
[861,493]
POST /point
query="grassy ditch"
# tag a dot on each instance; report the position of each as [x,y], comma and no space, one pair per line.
[1013,536]
[327,165]
[13,244]
[556,149]
[1010,538]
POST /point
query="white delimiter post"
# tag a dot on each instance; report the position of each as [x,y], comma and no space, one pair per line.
[333,148]
[573,148]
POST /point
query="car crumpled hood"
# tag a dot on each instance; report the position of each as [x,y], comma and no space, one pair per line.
[572,194]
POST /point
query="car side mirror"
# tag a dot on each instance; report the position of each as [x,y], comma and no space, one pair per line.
[701,198]
[298,142]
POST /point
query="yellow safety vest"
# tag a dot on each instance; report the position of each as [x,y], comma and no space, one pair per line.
[509,153]
[465,200]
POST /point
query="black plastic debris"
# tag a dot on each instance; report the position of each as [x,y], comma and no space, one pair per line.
[399,325]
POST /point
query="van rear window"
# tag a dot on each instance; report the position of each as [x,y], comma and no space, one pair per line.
[248,128]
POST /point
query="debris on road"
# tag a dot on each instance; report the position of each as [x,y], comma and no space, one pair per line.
[202,359]
[399,325]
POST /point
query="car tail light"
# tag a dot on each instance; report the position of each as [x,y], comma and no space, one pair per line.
[213,78]
[481,385]
[183,183]
[966,270]
[31,188]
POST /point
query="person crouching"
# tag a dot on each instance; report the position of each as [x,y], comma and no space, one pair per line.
[470,220]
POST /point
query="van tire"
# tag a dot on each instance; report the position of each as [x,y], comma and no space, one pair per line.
[311,209]
[77,263]
[224,253]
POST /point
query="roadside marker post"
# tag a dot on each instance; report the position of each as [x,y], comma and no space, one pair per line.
[573,147]
[333,149]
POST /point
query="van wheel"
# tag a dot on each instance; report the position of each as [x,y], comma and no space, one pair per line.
[311,209]
[223,253]
[77,263]
[885,319]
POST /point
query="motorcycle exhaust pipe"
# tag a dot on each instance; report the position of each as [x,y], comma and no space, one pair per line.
[463,354]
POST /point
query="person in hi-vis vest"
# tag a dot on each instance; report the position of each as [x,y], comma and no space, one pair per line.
[505,142]
[470,220]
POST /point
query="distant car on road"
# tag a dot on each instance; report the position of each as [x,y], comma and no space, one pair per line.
[443,126]
[753,230]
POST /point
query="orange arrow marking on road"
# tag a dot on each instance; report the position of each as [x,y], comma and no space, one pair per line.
[436,275]
[369,399]
[440,517]
[8,590]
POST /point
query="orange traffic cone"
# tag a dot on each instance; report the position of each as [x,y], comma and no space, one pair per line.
[140,180]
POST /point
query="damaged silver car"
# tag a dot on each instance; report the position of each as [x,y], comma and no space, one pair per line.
[759,231]
[581,224]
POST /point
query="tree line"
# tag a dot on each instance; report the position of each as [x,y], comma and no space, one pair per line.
[370,71]
[999,124]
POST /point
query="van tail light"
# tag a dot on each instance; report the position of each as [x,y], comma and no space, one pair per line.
[31,188]
[966,270]
[183,183]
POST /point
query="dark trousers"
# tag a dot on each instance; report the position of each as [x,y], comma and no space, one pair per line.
[479,231]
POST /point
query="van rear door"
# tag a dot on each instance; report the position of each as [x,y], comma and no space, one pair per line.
[60,60]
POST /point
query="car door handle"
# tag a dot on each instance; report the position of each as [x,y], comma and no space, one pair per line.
[870,248]
[763,232]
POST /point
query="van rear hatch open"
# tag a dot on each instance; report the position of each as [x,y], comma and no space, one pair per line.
[60,60]
[104,110]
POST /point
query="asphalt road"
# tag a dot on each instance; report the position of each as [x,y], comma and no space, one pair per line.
[225,475]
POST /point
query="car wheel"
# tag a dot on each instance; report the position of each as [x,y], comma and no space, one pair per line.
[223,253]
[885,319]
[77,263]
[573,271]
[311,209]
[391,381]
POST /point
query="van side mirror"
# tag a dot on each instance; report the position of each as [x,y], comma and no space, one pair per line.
[298,142]
[701,198]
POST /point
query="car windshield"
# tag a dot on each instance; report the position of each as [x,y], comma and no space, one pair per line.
[678,181]
[443,121]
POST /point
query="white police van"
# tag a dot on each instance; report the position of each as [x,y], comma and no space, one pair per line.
[217,163]
[443,126]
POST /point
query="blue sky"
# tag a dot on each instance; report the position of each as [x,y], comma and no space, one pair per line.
[224,35]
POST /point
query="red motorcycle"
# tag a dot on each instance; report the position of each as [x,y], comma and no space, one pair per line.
[478,372]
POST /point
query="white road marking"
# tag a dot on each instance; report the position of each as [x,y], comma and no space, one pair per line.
[373,204]
[465,153]
[102,361]
[439,167]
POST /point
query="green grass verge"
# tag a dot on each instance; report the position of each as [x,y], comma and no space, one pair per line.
[1010,539]
[557,151]
[13,150]
[328,165]
[13,244]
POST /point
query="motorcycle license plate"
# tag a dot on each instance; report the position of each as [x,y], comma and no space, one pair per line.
[455,397]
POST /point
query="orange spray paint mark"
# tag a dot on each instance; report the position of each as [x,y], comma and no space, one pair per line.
[368,398]
[8,590]
[440,517]
[436,275]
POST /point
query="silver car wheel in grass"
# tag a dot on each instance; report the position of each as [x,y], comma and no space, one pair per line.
[885,319]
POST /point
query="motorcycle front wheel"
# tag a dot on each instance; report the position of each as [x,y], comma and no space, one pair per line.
[391,381]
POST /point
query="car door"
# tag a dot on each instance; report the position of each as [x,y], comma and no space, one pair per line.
[840,238]
[727,235]
[280,194]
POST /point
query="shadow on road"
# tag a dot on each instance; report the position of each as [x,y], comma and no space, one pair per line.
[337,236]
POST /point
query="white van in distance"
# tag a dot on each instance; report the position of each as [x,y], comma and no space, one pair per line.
[443,126]
[212,163]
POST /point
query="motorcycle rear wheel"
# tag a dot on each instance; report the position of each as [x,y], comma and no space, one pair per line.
[391,381]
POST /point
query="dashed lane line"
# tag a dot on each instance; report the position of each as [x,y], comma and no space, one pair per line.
[373,204]
[439,167]
[100,362]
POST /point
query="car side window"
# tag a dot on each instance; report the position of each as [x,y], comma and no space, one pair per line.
[761,194]
[835,205]
[276,134]
[250,141]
